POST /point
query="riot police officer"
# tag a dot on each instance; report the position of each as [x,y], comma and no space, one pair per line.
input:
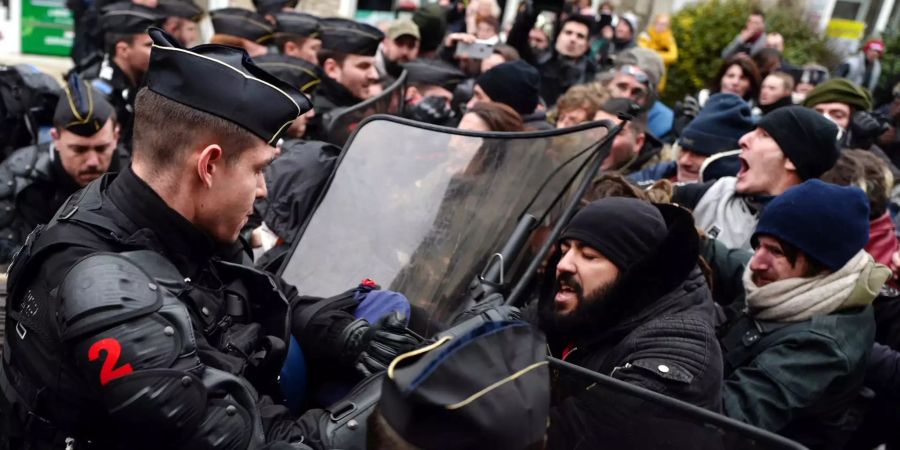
[132,322]
[36,180]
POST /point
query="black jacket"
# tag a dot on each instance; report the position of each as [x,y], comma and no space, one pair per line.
[662,339]
[330,96]
[558,73]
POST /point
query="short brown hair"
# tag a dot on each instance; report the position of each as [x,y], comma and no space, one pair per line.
[580,96]
[497,116]
[165,129]
[326,54]
[785,78]
[281,39]
[862,169]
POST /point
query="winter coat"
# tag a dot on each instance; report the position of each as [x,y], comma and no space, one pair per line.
[660,119]
[664,170]
[664,45]
[802,379]
[558,73]
[854,69]
[663,340]
[737,45]
[720,211]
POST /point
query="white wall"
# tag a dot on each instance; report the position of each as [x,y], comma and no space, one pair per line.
[10,28]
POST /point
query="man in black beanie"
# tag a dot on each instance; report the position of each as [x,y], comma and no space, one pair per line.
[516,84]
[788,146]
[628,296]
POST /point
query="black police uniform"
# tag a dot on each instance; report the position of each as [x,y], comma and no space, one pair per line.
[107,77]
[130,328]
[347,37]
[33,182]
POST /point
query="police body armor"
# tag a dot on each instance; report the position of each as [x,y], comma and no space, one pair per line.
[175,360]
[22,169]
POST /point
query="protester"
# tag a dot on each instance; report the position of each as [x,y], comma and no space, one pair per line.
[500,54]
[775,92]
[400,46]
[864,68]
[890,113]
[578,105]
[751,39]
[787,147]
[41,177]
[737,75]
[515,84]
[624,34]
[627,297]
[660,39]
[795,360]
[297,35]
[811,75]
[718,128]
[241,28]
[131,259]
[567,64]
[634,147]
[628,82]
[432,24]
[775,41]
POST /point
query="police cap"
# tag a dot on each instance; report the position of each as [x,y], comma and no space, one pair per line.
[82,110]
[273,6]
[297,72]
[129,18]
[241,23]
[489,388]
[433,72]
[224,81]
[295,23]
[348,36]
[185,9]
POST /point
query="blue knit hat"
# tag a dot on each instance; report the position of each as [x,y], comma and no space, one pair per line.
[828,223]
[719,126]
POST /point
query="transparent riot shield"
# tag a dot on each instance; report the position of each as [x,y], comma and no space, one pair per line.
[420,209]
[623,416]
[340,123]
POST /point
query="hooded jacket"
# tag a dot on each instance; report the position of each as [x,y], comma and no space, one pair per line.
[662,339]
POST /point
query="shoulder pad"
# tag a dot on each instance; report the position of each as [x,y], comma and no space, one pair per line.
[102,290]
[664,369]
[18,165]
[103,86]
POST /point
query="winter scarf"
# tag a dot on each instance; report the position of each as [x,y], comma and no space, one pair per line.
[726,215]
[855,284]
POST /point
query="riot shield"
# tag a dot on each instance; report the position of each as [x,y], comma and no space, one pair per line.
[340,123]
[420,209]
[623,416]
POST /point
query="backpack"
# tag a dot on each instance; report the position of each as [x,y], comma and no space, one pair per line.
[27,101]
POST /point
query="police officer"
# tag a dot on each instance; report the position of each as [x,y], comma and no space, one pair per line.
[182,20]
[347,59]
[241,28]
[127,55]
[297,35]
[36,180]
[429,91]
[132,323]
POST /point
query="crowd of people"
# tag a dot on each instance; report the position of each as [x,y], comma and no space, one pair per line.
[737,251]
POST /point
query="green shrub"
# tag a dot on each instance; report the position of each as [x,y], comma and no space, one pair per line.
[702,30]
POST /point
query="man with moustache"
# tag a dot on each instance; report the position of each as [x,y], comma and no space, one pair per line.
[36,180]
[795,359]
[629,301]
[788,146]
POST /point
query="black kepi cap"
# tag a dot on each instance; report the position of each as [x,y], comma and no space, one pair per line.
[349,36]
[224,81]
[433,72]
[297,72]
[298,24]
[273,6]
[489,388]
[129,18]
[241,23]
[186,9]
[82,110]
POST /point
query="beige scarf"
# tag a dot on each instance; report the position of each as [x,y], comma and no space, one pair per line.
[798,299]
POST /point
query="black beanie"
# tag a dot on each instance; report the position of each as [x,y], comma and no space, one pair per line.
[516,84]
[624,230]
[806,137]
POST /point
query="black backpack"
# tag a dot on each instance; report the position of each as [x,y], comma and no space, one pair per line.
[27,101]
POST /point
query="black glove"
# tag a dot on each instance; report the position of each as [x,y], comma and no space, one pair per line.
[371,348]
[491,308]
[432,109]
[864,129]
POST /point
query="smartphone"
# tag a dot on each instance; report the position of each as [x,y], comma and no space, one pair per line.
[474,50]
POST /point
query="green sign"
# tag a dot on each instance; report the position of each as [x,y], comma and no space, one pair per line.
[47,27]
